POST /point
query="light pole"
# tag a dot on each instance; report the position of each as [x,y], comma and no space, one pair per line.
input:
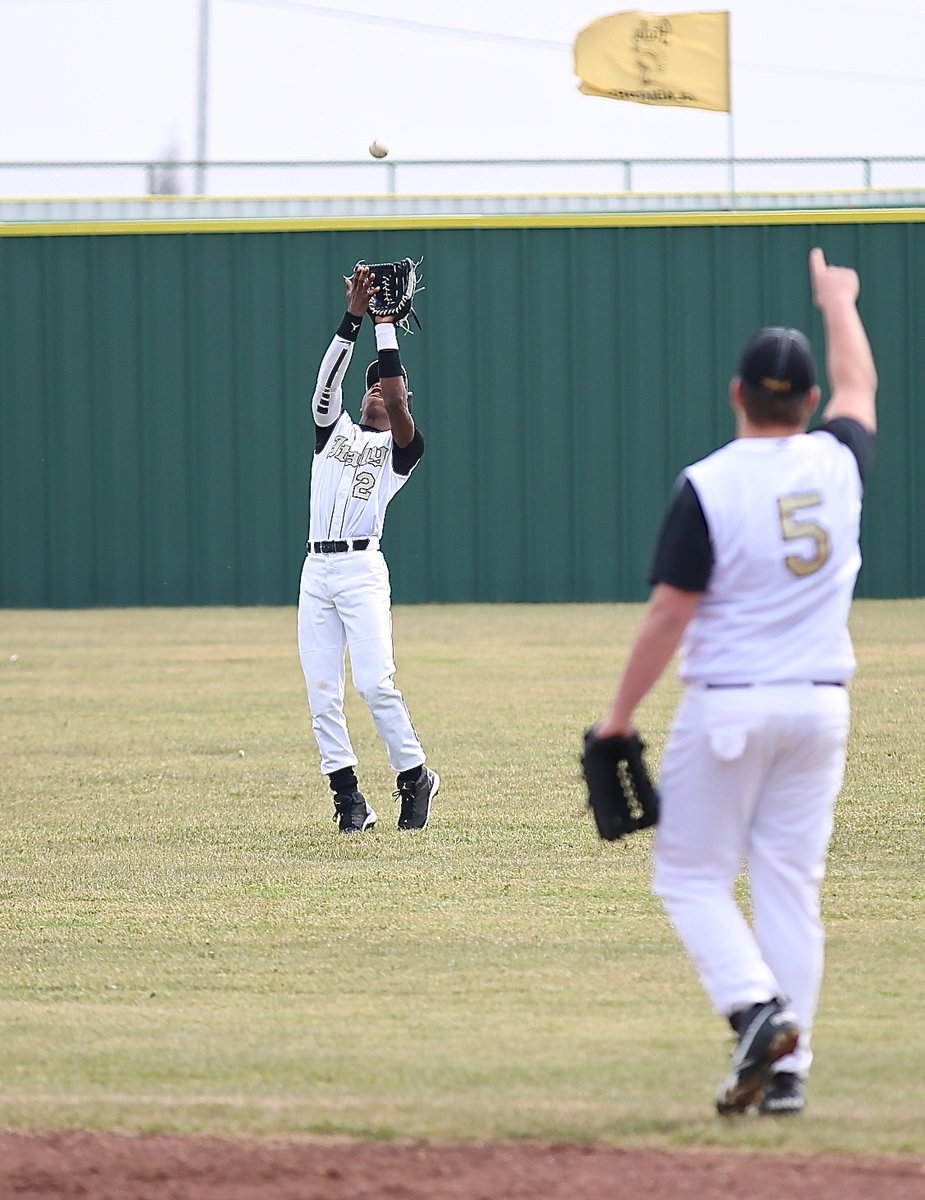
[202,98]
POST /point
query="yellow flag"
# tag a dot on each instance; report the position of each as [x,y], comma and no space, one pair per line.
[681,59]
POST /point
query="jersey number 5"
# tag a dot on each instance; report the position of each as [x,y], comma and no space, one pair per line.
[792,529]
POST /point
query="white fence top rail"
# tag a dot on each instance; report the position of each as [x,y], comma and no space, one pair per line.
[168,189]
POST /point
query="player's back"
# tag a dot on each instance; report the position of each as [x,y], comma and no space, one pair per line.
[783,516]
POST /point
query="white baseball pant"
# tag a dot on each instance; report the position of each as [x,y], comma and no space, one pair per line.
[345,604]
[751,775]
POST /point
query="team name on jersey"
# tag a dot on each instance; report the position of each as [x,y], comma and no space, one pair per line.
[369,456]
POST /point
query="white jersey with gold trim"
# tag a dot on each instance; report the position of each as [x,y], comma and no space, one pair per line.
[783,516]
[353,480]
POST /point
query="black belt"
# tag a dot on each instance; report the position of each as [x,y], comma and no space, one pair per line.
[336,547]
[782,682]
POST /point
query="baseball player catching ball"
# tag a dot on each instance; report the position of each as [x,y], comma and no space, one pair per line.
[345,595]
[755,569]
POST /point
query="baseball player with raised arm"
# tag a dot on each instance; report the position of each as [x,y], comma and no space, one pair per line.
[753,577]
[345,594]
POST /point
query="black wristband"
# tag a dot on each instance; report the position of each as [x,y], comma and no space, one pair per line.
[349,327]
[389,364]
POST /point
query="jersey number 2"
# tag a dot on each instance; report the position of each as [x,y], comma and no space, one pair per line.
[792,529]
[363,484]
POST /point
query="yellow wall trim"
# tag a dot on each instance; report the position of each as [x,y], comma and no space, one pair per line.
[861,216]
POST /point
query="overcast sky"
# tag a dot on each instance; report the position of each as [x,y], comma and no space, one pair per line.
[437,79]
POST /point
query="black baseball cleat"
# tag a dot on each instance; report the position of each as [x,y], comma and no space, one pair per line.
[784,1095]
[766,1033]
[415,796]
[352,813]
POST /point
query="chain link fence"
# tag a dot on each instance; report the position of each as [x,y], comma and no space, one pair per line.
[392,177]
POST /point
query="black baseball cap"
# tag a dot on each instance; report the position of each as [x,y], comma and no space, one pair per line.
[372,374]
[779,361]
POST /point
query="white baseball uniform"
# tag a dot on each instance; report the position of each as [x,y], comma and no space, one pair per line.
[767,530]
[345,592]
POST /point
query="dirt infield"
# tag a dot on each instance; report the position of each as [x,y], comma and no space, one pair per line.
[115,1167]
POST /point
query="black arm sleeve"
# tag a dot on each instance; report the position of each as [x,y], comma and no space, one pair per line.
[683,554]
[859,440]
[404,457]
[322,436]
[349,327]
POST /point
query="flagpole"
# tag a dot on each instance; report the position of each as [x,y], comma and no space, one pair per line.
[202,99]
[731,131]
[730,123]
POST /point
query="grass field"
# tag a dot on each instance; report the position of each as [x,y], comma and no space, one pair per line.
[187,944]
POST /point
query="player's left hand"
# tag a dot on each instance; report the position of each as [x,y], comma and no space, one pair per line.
[621,795]
[608,727]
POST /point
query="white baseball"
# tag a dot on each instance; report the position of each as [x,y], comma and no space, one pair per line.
[378,149]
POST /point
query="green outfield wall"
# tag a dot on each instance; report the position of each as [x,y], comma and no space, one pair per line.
[155,380]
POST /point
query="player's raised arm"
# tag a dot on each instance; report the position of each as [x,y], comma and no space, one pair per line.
[327,399]
[849,359]
[392,382]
